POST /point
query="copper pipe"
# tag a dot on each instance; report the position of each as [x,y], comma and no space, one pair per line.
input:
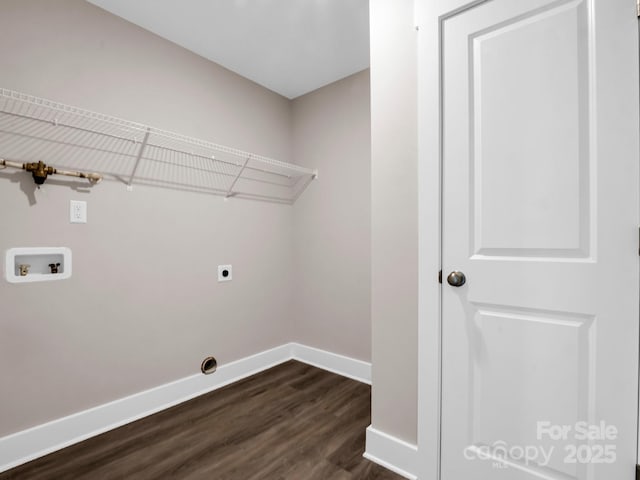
[40,171]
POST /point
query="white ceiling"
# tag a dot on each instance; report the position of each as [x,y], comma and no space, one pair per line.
[289,46]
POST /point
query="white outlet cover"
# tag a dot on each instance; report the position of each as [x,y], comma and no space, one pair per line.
[77,211]
[225,273]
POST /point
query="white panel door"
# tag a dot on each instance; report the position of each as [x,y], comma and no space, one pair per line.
[540,213]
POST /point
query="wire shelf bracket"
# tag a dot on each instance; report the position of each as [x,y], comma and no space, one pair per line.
[140,152]
[235,180]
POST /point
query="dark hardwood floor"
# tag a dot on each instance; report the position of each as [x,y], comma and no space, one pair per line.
[293,422]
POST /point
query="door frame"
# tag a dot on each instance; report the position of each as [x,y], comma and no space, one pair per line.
[429,16]
[429,238]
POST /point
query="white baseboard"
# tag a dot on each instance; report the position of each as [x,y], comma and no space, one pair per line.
[27,445]
[392,453]
[345,366]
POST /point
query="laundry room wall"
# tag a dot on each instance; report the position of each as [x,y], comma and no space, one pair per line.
[394,227]
[332,220]
[143,306]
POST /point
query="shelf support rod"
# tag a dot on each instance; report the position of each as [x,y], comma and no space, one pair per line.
[235,180]
[139,156]
[304,186]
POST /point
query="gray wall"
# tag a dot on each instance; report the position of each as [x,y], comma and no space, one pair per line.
[394,206]
[332,232]
[143,306]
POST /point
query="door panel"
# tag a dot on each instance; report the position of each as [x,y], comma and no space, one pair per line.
[540,211]
[533,213]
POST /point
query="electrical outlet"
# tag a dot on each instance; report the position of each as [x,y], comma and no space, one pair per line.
[224,273]
[77,211]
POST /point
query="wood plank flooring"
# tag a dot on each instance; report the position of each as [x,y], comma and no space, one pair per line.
[291,422]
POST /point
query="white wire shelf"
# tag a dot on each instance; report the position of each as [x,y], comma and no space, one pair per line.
[33,129]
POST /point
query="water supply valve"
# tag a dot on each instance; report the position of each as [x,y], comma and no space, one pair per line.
[39,171]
